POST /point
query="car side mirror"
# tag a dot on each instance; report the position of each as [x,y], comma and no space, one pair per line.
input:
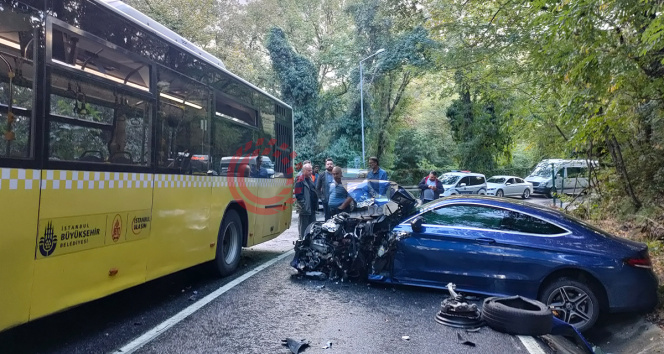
[462,185]
[416,224]
[507,184]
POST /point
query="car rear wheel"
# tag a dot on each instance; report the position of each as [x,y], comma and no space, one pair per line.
[526,194]
[229,244]
[481,191]
[499,193]
[573,302]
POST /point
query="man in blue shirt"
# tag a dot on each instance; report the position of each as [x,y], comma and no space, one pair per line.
[339,199]
[376,174]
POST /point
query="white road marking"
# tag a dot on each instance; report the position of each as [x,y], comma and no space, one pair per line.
[531,345]
[164,326]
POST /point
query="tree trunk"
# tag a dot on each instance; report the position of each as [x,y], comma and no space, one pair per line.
[616,155]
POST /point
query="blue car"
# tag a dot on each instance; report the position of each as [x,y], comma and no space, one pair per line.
[502,247]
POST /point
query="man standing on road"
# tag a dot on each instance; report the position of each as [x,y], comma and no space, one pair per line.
[376,174]
[307,198]
[323,185]
[431,187]
[339,200]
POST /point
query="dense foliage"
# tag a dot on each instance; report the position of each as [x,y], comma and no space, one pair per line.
[482,85]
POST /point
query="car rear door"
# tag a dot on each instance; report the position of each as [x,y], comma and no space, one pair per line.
[510,186]
[456,244]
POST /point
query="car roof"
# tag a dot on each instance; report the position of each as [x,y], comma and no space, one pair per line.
[461,174]
[504,176]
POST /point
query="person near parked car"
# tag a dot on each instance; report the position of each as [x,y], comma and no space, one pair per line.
[339,200]
[431,187]
[376,174]
[323,185]
[306,197]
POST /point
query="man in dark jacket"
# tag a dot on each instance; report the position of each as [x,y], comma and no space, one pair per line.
[307,198]
[431,187]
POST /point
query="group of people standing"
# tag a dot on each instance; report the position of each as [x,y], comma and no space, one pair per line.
[310,186]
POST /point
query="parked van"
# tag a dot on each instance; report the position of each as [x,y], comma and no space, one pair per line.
[571,176]
[463,182]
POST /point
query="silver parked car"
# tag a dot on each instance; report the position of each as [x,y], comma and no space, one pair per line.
[509,186]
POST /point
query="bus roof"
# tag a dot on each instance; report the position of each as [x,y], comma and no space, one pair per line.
[152,26]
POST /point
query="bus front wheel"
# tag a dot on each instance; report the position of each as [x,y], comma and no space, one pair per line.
[229,244]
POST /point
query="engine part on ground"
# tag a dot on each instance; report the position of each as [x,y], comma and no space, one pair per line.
[517,315]
[455,311]
[295,345]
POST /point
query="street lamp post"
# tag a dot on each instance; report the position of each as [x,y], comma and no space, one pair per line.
[364,159]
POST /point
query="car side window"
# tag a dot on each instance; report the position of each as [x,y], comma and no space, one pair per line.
[519,180]
[511,181]
[575,172]
[465,180]
[515,221]
[465,216]
[476,180]
[484,217]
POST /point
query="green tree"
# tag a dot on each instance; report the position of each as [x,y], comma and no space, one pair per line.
[299,88]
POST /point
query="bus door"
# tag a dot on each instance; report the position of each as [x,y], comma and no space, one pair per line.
[184,235]
[96,188]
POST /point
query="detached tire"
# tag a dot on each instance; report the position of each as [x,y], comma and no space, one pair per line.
[229,244]
[517,315]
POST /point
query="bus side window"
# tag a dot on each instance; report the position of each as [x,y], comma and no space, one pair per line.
[16,81]
[183,121]
[90,122]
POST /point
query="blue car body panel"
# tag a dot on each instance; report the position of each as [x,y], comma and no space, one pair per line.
[496,262]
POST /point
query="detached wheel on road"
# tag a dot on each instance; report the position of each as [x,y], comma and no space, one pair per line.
[499,193]
[573,302]
[229,244]
[517,315]
[526,194]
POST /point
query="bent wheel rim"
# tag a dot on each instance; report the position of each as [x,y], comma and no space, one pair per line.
[572,305]
[229,243]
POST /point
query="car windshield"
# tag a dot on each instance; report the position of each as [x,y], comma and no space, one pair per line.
[449,179]
[496,180]
[542,171]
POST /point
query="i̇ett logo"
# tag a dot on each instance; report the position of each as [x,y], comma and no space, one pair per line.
[48,242]
[117,228]
[238,182]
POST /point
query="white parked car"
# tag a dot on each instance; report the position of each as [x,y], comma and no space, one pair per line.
[463,182]
[509,186]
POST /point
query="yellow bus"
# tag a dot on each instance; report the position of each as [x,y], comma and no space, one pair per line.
[114,130]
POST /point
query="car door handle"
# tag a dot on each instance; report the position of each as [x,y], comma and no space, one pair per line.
[485,240]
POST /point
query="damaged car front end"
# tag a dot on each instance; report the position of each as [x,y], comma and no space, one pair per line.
[345,246]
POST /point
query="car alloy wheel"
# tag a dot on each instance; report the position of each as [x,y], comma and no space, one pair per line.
[499,193]
[572,302]
[526,194]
